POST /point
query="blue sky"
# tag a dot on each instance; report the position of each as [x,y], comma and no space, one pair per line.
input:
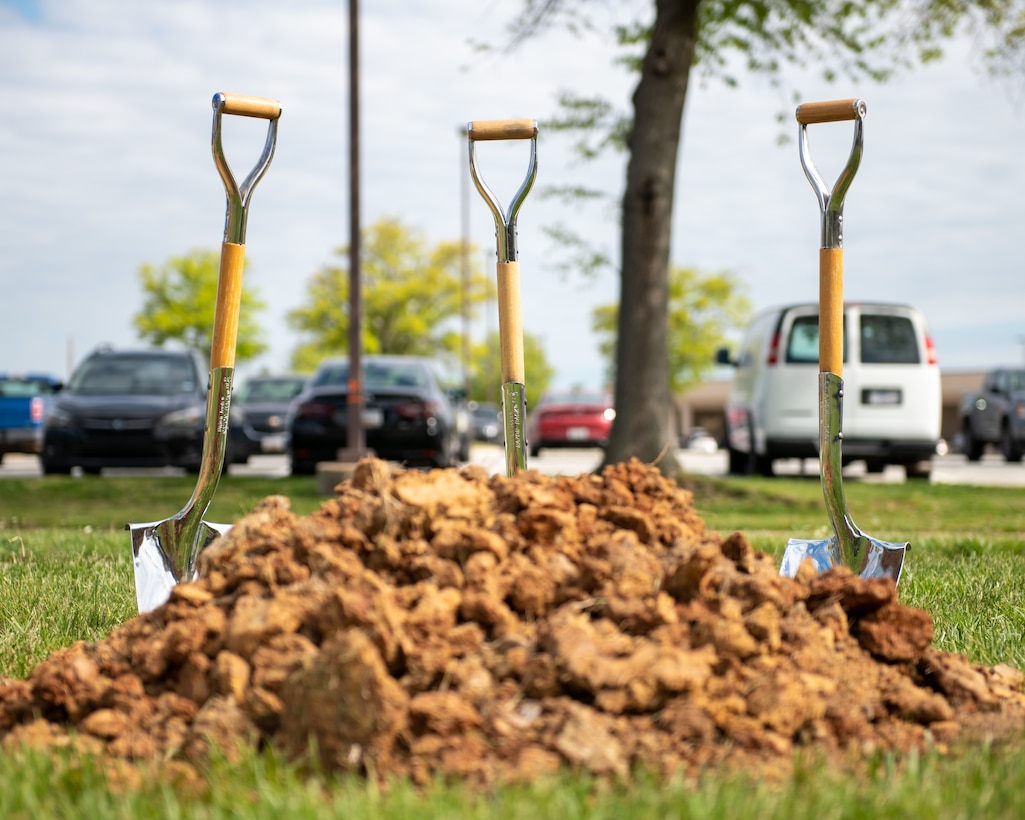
[105,165]
[29,9]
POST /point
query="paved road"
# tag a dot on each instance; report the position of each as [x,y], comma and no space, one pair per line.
[992,470]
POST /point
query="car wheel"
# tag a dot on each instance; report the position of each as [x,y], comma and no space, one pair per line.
[763,466]
[52,467]
[1009,445]
[874,465]
[972,446]
[299,466]
[740,463]
[918,469]
[91,470]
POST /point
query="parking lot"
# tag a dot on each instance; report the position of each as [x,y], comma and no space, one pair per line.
[991,471]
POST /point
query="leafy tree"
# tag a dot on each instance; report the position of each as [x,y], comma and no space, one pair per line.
[702,309]
[486,369]
[180,298]
[411,295]
[855,38]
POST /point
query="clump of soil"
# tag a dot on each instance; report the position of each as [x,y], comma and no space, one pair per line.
[497,629]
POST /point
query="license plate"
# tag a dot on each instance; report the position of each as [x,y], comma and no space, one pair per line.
[889,396]
[274,443]
[578,434]
[373,417]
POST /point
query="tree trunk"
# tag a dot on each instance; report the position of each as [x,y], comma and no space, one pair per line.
[642,396]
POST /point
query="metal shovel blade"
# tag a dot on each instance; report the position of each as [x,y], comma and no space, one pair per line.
[154,575]
[164,552]
[848,546]
[873,558]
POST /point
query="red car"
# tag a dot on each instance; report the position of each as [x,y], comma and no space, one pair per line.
[571,419]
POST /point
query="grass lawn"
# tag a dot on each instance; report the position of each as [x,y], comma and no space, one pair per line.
[66,575]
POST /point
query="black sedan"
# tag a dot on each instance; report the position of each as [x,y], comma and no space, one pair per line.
[129,408]
[487,422]
[407,416]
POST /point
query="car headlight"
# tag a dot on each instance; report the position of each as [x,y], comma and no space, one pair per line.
[58,418]
[186,418]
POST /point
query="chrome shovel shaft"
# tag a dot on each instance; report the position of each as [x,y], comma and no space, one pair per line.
[848,546]
[514,402]
[165,552]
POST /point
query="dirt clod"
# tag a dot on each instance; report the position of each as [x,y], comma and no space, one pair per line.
[452,623]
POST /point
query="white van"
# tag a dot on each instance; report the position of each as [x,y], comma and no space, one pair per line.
[892,403]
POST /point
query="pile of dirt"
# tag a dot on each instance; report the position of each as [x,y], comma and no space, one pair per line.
[498,629]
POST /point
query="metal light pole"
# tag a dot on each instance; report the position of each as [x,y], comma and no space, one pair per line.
[465,259]
[355,434]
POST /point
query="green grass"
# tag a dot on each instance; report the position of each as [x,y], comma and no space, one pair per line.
[110,503]
[65,575]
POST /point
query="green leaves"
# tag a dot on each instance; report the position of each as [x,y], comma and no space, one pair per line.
[702,310]
[180,299]
[412,297]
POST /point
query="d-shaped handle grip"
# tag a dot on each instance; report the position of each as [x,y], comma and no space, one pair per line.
[830,111]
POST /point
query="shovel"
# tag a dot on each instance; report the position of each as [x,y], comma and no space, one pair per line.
[848,546]
[510,320]
[165,552]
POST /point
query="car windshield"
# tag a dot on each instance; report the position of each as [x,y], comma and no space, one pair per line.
[24,388]
[1016,379]
[376,375]
[485,412]
[270,390]
[137,375]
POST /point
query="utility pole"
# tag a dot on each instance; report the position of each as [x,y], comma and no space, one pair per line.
[465,258]
[355,448]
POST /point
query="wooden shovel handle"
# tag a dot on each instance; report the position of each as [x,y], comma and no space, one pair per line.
[229,301]
[246,106]
[502,130]
[510,322]
[829,111]
[831,310]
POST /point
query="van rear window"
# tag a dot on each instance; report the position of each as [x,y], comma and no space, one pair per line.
[888,340]
[885,339]
[803,342]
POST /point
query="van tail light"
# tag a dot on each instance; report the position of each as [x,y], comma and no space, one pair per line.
[930,350]
[773,357]
[35,410]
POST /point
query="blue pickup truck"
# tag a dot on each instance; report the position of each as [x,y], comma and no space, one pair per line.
[24,401]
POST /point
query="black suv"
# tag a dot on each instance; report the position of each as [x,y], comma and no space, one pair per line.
[129,408]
